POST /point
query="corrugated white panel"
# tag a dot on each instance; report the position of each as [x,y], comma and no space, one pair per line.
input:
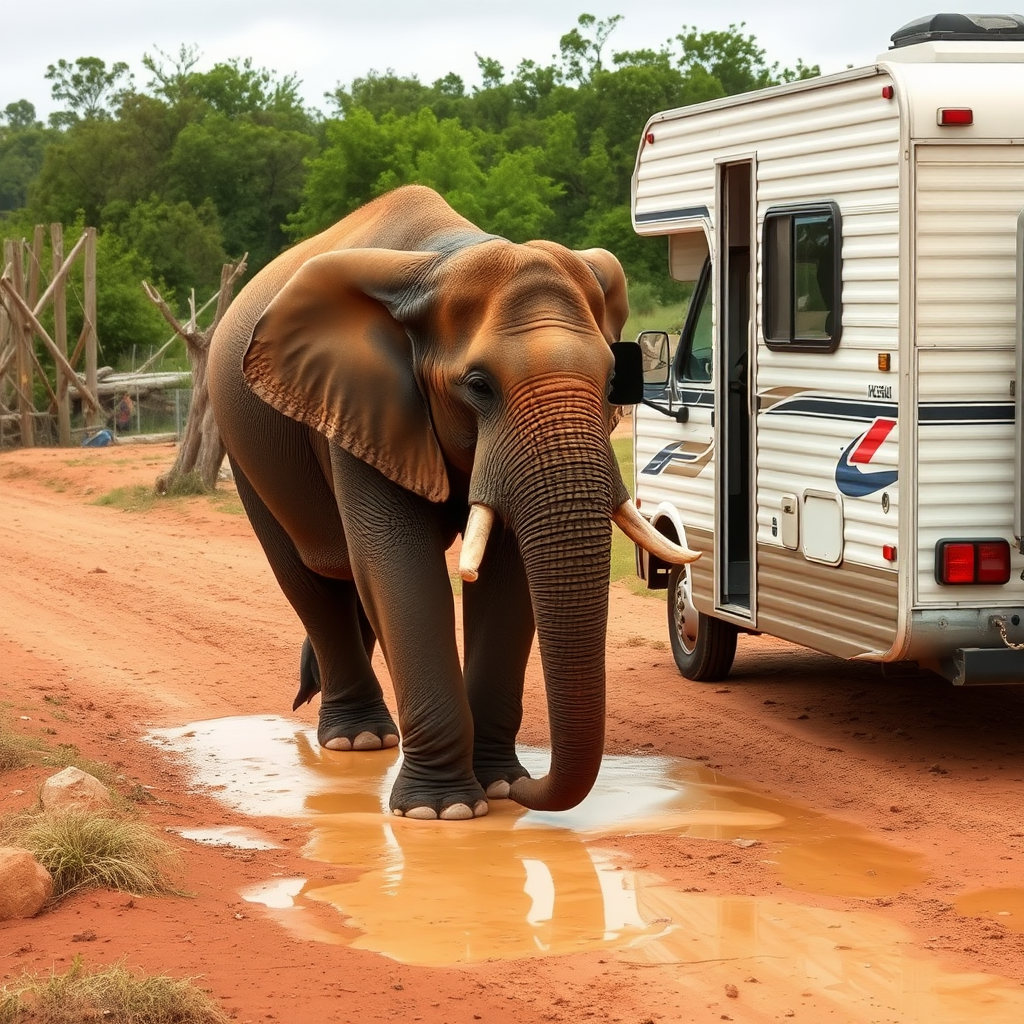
[967,202]
[693,495]
[965,472]
[842,133]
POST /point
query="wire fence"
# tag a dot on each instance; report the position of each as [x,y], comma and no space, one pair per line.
[128,413]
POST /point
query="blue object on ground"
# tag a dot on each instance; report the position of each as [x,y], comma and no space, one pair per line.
[100,440]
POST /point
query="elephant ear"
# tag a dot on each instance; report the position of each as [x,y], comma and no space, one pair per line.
[331,352]
[612,279]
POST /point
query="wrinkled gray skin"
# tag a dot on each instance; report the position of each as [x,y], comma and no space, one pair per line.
[370,384]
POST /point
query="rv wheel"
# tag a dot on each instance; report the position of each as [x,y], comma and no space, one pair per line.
[702,645]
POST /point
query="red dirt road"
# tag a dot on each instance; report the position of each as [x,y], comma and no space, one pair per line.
[114,622]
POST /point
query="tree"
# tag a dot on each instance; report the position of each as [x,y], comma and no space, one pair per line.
[581,51]
[181,243]
[86,87]
[734,59]
[23,142]
[20,115]
[253,174]
[200,450]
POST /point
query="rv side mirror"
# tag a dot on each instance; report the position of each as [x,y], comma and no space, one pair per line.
[656,351]
[628,379]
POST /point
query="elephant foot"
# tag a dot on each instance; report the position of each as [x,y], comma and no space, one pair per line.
[497,775]
[454,812]
[344,726]
[428,795]
[364,741]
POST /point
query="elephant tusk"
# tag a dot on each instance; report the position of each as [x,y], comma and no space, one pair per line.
[474,542]
[628,519]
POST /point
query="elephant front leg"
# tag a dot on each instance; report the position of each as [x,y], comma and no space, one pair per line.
[499,628]
[397,555]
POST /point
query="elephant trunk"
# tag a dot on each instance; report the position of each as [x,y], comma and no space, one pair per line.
[556,488]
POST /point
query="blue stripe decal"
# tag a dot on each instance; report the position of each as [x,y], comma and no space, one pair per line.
[688,213]
[932,413]
[833,408]
[929,413]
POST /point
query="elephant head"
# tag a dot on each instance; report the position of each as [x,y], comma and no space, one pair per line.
[476,373]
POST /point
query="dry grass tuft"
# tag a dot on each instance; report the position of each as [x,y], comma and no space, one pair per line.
[95,851]
[114,994]
[67,755]
[16,751]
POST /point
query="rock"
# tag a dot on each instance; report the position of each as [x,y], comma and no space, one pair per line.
[25,885]
[74,790]
[744,844]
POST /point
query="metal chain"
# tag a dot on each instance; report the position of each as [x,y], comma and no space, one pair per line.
[1001,623]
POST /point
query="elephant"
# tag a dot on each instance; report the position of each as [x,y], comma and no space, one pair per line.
[400,379]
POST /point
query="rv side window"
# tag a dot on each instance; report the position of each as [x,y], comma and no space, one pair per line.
[803,277]
[694,357]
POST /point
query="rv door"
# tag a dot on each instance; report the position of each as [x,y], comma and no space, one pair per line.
[1018,517]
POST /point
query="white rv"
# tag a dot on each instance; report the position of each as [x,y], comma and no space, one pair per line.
[838,427]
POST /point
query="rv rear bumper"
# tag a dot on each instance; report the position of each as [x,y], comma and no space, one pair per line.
[982,666]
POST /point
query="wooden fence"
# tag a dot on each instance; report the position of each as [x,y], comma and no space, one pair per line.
[21,364]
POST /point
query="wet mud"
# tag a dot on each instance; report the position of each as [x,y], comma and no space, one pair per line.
[519,883]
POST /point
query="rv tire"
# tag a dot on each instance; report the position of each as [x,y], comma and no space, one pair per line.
[703,646]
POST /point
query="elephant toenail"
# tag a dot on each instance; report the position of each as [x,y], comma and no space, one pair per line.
[498,790]
[457,812]
[391,740]
[366,741]
[397,812]
[480,808]
[422,813]
[339,743]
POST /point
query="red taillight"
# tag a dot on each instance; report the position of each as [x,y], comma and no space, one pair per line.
[957,563]
[955,116]
[994,562]
[960,562]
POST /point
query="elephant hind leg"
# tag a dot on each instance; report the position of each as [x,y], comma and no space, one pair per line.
[339,641]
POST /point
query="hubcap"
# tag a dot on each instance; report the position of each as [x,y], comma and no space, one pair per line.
[686,614]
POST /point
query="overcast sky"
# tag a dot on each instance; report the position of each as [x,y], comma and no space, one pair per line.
[327,43]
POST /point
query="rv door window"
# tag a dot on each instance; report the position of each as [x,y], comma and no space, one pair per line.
[694,365]
[803,277]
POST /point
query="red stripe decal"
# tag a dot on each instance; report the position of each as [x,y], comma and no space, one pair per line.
[873,439]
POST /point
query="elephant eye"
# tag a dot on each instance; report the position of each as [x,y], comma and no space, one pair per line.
[478,387]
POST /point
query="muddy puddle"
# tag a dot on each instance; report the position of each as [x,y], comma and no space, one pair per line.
[520,883]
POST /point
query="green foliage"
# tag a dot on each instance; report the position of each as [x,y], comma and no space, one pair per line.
[112,994]
[86,87]
[181,243]
[202,165]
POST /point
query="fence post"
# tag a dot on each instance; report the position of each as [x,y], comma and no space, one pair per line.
[14,254]
[91,417]
[60,335]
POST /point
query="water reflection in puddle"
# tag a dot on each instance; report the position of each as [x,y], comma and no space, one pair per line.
[520,883]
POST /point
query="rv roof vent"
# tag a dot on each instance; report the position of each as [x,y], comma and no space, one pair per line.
[946,27]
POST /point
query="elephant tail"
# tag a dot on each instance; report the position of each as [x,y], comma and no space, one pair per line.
[309,676]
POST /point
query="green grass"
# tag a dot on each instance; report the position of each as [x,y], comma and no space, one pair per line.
[664,318]
[86,850]
[113,994]
[137,498]
[17,751]
[140,498]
